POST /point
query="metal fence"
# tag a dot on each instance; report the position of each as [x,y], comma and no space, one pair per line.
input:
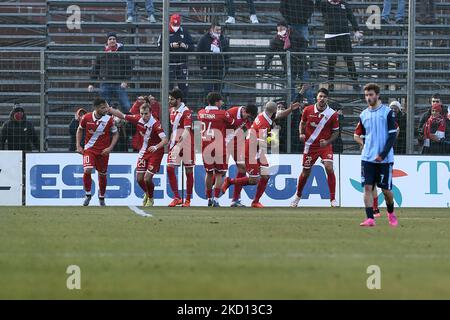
[52,85]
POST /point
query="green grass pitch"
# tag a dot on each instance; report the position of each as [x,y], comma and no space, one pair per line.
[223,253]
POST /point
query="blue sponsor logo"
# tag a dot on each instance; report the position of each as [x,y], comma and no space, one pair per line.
[43,183]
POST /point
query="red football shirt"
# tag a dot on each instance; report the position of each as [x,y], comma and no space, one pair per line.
[150,131]
[259,130]
[239,124]
[319,125]
[180,119]
[98,131]
[214,124]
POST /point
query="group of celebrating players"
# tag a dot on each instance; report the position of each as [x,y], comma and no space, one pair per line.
[239,132]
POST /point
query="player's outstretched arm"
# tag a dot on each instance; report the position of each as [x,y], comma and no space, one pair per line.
[287,112]
[116,113]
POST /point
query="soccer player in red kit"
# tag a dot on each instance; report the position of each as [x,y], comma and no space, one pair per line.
[257,165]
[235,140]
[152,149]
[319,127]
[98,144]
[181,147]
[214,123]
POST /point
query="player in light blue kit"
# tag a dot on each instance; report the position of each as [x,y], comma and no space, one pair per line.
[377,125]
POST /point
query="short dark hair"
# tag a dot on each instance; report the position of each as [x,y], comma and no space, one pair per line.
[436,96]
[251,109]
[98,102]
[213,97]
[372,86]
[176,93]
[323,90]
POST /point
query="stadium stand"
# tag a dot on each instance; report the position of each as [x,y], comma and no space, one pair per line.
[29,29]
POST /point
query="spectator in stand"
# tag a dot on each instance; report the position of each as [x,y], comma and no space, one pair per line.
[426,11]
[232,12]
[400,143]
[155,109]
[111,67]
[18,133]
[297,14]
[336,15]
[434,131]
[435,99]
[214,66]
[73,126]
[399,16]
[288,39]
[131,11]
[179,41]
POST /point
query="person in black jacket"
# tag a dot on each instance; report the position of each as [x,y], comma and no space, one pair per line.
[215,65]
[73,126]
[297,14]
[18,133]
[336,15]
[179,41]
[400,143]
[288,39]
[435,99]
[113,68]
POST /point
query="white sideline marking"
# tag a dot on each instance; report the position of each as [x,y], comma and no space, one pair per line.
[140,212]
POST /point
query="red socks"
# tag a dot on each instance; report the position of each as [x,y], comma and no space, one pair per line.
[142,185]
[332,185]
[209,194]
[87,182]
[301,184]
[238,187]
[262,184]
[173,181]
[101,185]
[150,187]
[189,185]
[216,192]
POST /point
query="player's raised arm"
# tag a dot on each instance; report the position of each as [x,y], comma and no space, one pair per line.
[287,112]
[116,112]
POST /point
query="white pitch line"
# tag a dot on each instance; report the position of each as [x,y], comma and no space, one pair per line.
[140,212]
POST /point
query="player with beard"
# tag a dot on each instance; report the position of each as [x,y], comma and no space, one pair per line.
[378,126]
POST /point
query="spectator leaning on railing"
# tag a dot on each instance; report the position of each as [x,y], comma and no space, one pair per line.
[113,68]
[435,99]
[434,131]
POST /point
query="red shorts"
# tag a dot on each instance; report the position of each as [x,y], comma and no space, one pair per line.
[185,156]
[254,168]
[150,162]
[92,159]
[310,158]
[215,164]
